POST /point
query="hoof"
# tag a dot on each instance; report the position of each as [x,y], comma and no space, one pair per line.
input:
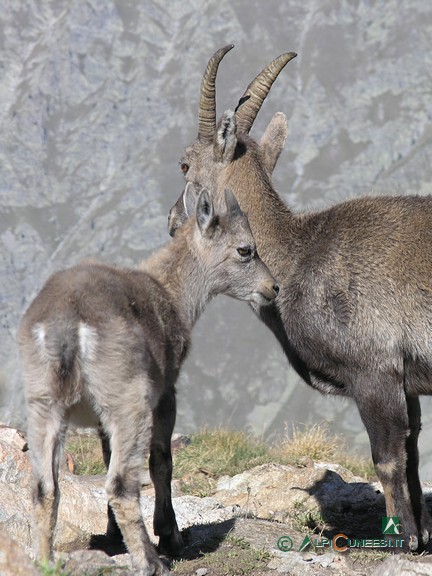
[425,536]
[171,545]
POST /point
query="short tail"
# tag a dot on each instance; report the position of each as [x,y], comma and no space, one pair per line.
[61,347]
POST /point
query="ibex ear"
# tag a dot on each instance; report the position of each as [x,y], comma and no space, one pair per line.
[273,141]
[232,205]
[204,211]
[189,199]
[225,141]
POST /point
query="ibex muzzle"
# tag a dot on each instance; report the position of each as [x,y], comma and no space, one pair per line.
[354,313]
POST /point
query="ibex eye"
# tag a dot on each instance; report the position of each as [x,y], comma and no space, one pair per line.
[244,252]
[184,167]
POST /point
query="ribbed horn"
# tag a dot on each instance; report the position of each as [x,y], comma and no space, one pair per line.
[207,105]
[251,101]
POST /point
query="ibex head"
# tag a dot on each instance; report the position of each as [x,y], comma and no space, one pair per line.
[225,246]
[210,161]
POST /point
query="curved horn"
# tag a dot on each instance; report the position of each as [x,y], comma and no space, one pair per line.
[207,105]
[251,101]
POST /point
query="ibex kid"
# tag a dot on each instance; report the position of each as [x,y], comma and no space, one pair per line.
[102,345]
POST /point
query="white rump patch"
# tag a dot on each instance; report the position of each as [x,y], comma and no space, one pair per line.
[87,341]
[39,335]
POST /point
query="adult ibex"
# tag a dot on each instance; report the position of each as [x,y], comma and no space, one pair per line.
[354,315]
[103,346]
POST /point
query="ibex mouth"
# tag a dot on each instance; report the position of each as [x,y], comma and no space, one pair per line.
[265,296]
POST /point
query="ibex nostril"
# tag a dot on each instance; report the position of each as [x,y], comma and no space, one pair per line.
[276,288]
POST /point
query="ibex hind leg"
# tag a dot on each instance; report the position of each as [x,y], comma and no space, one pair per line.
[128,450]
[46,434]
[111,542]
[421,512]
[164,522]
[384,411]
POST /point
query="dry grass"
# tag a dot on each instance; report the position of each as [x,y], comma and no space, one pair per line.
[215,453]
[86,452]
[320,445]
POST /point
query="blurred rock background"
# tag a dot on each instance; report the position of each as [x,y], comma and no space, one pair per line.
[98,99]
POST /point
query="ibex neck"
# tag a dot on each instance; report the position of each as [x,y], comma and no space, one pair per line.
[272,223]
[176,268]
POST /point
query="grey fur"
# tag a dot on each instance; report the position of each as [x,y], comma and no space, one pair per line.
[102,345]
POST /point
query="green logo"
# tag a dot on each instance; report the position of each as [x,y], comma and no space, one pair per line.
[305,544]
[285,543]
[391,525]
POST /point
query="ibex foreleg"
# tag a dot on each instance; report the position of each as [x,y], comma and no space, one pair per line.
[164,523]
[112,541]
[385,413]
[421,513]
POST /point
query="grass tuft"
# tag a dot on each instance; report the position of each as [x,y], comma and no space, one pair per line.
[86,451]
[51,569]
[320,445]
[215,453]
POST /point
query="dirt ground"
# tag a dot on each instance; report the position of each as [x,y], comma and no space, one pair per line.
[247,546]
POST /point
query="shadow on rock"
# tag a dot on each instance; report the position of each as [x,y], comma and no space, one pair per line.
[352,508]
[204,538]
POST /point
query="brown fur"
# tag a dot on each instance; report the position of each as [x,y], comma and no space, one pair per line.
[354,315]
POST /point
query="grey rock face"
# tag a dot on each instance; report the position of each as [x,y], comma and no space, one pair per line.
[98,100]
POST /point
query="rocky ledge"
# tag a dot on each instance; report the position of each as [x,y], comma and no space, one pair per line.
[285,517]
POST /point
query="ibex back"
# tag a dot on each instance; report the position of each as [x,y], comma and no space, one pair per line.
[354,315]
[103,346]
